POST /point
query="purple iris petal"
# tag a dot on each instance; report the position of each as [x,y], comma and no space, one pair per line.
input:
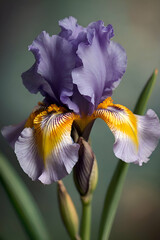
[70,28]
[51,73]
[77,69]
[104,63]
[73,33]
[80,65]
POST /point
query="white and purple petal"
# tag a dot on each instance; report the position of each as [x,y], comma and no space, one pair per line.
[136,137]
[148,135]
[148,131]
[58,150]
[46,151]
[27,154]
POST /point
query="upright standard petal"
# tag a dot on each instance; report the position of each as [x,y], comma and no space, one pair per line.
[104,63]
[70,29]
[66,70]
[73,33]
[47,152]
[51,73]
[136,137]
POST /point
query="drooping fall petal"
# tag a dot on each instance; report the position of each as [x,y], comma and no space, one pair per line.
[136,137]
[44,148]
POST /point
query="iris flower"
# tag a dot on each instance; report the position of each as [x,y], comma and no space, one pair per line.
[76,73]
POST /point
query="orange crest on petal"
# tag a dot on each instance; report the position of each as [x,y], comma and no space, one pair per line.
[107,102]
[120,119]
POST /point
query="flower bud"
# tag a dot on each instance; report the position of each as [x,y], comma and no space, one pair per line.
[68,211]
[85,170]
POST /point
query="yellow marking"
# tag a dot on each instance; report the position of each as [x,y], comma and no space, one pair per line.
[53,124]
[107,102]
[52,129]
[83,121]
[123,120]
[35,112]
[39,109]
[55,108]
[120,118]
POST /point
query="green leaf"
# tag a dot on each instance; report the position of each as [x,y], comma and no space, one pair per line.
[22,201]
[145,94]
[115,187]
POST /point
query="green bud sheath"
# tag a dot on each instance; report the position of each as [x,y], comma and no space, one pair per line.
[68,211]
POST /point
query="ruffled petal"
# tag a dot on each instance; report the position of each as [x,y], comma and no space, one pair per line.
[104,63]
[73,33]
[35,83]
[12,132]
[27,154]
[51,73]
[70,29]
[136,137]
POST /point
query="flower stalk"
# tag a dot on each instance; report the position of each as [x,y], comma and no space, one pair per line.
[86,219]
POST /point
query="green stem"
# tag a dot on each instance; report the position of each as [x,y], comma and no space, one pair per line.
[112,199]
[86,220]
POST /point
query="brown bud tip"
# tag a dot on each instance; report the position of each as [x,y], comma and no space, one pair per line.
[85,171]
[156,71]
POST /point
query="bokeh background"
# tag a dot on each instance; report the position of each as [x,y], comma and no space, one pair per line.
[136,25]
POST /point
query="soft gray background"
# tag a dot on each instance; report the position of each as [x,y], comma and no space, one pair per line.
[136,25]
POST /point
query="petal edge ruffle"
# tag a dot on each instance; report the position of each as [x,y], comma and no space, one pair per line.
[103,65]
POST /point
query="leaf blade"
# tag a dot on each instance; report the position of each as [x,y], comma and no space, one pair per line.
[22,201]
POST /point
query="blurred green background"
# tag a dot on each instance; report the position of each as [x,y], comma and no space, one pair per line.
[136,25]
